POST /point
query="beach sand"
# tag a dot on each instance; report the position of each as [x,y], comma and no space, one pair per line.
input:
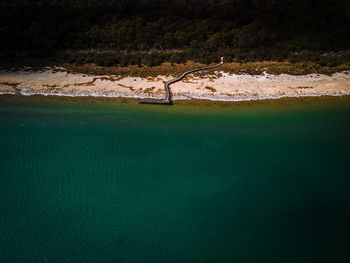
[220,86]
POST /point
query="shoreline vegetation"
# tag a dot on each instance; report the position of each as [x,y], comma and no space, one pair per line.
[165,62]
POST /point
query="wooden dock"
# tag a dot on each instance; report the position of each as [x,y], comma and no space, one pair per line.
[167,100]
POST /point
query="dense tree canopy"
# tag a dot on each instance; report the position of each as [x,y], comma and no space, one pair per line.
[165,24]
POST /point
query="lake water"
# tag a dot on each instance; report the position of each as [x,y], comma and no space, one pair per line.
[113,181]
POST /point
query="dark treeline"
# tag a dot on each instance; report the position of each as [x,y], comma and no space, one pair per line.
[164,24]
[199,25]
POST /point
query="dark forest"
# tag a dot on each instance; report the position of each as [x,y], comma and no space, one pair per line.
[202,26]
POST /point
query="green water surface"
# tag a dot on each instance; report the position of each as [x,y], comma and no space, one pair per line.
[84,181]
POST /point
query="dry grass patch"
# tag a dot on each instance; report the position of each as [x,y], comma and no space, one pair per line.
[210,88]
[175,70]
[149,90]
[11,84]
[305,87]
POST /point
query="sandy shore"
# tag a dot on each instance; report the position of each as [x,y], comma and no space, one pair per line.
[217,86]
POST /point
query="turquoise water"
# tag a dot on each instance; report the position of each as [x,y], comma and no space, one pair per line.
[85,181]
